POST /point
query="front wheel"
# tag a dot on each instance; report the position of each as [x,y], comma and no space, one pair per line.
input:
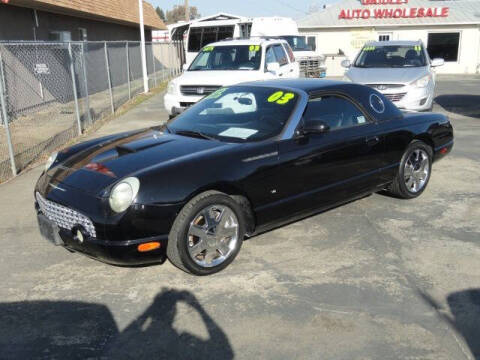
[207,234]
[414,172]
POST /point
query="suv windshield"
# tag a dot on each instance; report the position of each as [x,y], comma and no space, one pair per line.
[238,114]
[233,57]
[390,56]
[298,43]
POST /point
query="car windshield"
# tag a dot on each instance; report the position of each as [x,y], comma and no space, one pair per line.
[391,56]
[234,57]
[238,114]
[298,43]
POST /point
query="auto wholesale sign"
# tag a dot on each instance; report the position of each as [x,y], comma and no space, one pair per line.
[374,9]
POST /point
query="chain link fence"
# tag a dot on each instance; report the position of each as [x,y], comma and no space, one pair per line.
[51,92]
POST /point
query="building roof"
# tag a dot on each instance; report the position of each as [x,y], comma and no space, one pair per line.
[459,12]
[117,11]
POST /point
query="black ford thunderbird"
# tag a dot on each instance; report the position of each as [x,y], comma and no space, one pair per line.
[245,159]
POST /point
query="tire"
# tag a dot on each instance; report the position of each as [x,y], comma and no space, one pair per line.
[408,186]
[199,225]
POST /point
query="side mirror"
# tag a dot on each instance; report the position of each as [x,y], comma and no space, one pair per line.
[437,62]
[315,127]
[273,67]
[185,67]
[346,63]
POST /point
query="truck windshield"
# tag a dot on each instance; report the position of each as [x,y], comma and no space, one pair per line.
[298,43]
[234,57]
[391,56]
[238,114]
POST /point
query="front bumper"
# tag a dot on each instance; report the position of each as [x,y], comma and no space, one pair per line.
[112,252]
[411,98]
[176,104]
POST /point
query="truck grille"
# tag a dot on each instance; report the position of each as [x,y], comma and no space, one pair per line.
[64,217]
[198,90]
[395,97]
[312,67]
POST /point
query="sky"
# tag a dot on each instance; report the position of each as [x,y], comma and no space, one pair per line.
[294,9]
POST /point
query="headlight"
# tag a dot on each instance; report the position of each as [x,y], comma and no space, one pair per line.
[172,88]
[422,82]
[123,194]
[51,160]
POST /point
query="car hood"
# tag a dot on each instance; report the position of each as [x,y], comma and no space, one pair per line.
[386,75]
[219,78]
[96,168]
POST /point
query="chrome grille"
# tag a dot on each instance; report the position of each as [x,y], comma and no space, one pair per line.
[382,87]
[395,97]
[198,90]
[64,217]
[312,67]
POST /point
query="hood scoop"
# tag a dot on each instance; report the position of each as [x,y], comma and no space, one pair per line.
[139,145]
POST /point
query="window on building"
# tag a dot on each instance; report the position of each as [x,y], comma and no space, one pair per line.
[443,45]
[60,36]
[82,34]
[384,37]
[312,42]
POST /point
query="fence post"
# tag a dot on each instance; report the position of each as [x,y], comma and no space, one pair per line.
[3,105]
[74,86]
[85,79]
[128,73]
[153,61]
[109,79]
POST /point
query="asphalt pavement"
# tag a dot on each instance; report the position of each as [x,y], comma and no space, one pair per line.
[379,278]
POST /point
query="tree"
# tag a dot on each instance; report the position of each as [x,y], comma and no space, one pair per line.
[178,14]
[160,13]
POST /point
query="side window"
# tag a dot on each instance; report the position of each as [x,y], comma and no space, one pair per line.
[290,52]
[269,56]
[280,55]
[337,112]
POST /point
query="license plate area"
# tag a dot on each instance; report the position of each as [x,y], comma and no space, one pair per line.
[49,230]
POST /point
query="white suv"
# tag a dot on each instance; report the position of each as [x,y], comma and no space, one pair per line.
[230,62]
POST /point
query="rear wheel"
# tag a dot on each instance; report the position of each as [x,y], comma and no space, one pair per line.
[207,234]
[414,172]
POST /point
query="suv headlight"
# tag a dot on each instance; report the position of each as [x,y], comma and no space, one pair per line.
[422,82]
[51,160]
[172,88]
[123,194]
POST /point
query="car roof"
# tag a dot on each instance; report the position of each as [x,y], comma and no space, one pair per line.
[307,85]
[250,41]
[394,43]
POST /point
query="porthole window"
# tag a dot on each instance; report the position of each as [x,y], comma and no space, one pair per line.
[377,104]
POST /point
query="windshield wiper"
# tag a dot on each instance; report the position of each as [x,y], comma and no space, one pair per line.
[192,133]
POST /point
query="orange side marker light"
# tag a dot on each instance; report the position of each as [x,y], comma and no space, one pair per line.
[148,246]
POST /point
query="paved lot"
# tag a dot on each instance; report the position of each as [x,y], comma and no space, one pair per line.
[380,278]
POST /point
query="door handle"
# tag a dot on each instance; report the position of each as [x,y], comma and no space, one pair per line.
[372,140]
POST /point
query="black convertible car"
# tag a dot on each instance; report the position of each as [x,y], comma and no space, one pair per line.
[245,159]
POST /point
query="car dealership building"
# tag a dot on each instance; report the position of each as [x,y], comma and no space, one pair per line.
[450,29]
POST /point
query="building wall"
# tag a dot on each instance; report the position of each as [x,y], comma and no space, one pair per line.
[17,23]
[350,41]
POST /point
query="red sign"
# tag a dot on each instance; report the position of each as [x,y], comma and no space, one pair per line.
[397,13]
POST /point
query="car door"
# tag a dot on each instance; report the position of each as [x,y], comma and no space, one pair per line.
[282,59]
[293,67]
[269,58]
[320,170]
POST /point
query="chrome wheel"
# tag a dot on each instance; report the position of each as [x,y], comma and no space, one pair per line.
[417,168]
[212,235]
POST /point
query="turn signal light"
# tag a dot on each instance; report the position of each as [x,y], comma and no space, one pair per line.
[148,246]
[443,150]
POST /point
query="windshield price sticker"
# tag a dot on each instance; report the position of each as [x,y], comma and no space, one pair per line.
[208,48]
[254,48]
[217,94]
[369,48]
[418,48]
[280,97]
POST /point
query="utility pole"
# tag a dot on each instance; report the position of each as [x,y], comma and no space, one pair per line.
[187,11]
[142,47]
